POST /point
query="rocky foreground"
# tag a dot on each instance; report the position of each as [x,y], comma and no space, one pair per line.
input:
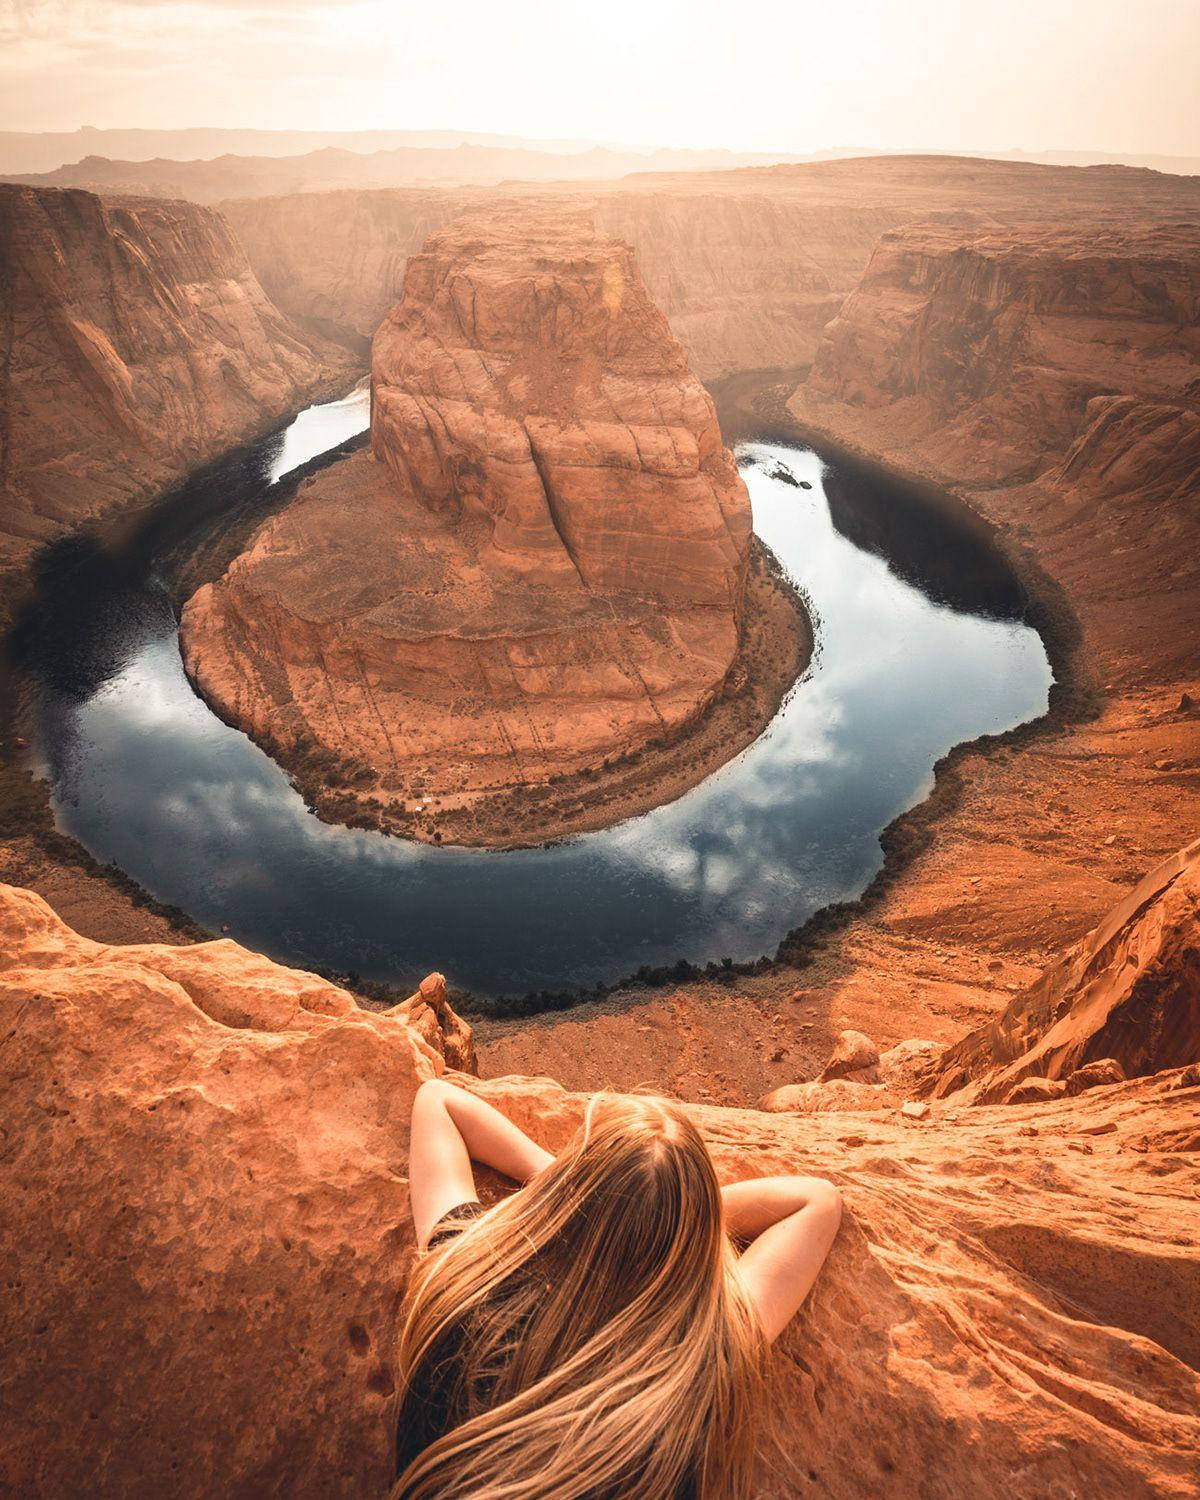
[136,344]
[206,1237]
[540,571]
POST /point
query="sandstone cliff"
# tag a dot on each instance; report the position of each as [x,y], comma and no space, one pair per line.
[206,1228]
[334,262]
[748,265]
[979,352]
[1067,361]
[528,382]
[136,343]
[747,279]
[542,567]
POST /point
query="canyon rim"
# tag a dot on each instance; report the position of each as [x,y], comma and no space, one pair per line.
[394,519]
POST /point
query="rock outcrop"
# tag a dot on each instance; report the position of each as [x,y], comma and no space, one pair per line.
[542,566]
[980,351]
[206,1237]
[1123,1002]
[135,343]
[205,1222]
[526,382]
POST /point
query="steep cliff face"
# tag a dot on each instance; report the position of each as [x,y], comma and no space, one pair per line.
[136,344]
[1068,361]
[1051,377]
[527,382]
[982,351]
[746,280]
[748,265]
[204,1173]
[334,262]
[543,566]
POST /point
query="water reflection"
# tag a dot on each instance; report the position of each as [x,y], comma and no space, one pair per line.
[144,775]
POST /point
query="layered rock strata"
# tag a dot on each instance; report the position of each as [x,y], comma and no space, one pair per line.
[1048,378]
[980,352]
[748,265]
[135,344]
[334,262]
[205,1218]
[542,565]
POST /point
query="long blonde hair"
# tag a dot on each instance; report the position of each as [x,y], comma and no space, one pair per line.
[602,1343]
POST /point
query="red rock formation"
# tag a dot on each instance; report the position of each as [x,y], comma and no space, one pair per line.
[981,351]
[206,1210]
[1096,402]
[1127,994]
[748,265]
[553,567]
[526,382]
[205,1213]
[431,1016]
[746,278]
[136,344]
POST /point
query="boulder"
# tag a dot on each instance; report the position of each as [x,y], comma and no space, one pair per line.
[852,1053]
[1035,1091]
[1096,1074]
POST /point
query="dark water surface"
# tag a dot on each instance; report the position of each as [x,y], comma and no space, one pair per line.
[913,656]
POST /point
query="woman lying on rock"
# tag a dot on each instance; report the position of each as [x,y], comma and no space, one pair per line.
[595,1334]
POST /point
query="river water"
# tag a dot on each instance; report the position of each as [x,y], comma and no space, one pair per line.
[910,660]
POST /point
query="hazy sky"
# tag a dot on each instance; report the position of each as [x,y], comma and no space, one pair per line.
[759,74]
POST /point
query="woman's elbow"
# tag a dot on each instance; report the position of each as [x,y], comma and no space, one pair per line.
[827,1200]
[431,1093]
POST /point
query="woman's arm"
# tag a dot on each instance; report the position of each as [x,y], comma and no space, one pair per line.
[791,1223]
[450,1129]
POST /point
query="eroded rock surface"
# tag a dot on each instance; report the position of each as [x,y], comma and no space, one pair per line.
[981,350]
[205,1225]
[542,567]
[136,344]
[1123,1000]
[203,1177]
[1065,359]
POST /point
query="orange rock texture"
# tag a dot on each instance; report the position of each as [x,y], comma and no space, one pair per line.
[206,1237]
[334,261]
[980,351]
[1126,996]
[542,565]
[136,344]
